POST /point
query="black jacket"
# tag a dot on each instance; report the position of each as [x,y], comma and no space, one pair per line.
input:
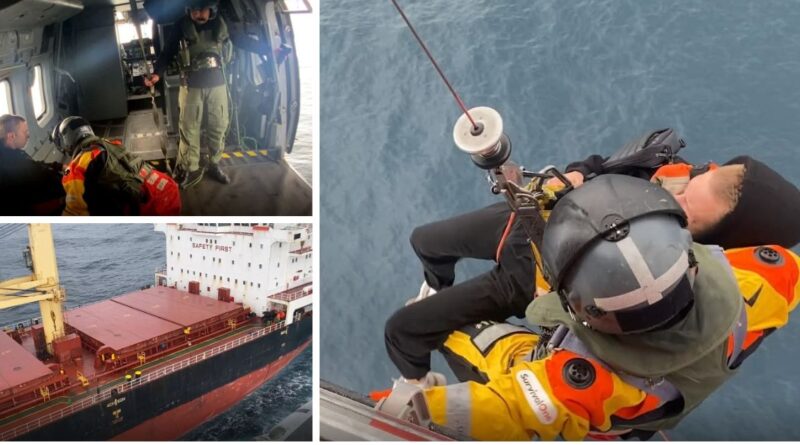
[593,166]
[27,186]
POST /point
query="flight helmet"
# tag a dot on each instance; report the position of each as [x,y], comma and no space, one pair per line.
[201,4]
[69,133]
[617,253]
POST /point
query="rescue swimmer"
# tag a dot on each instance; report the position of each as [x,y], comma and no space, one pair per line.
[724,205]
[642,325]
[203,42]
[103,178]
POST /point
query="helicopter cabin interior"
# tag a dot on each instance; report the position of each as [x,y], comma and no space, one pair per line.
[62,58]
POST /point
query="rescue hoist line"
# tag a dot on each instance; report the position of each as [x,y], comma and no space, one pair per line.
[148,73]
[436,65]
[479,132]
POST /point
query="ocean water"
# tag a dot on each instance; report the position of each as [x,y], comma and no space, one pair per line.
[100,261]
[264,408]
[307,54]
[569,79]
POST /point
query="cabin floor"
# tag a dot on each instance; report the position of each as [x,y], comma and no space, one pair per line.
[261,184]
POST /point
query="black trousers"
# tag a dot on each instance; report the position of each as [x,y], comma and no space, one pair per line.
[416,330]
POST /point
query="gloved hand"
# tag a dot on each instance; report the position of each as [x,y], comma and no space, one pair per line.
[575,177]
[151,80]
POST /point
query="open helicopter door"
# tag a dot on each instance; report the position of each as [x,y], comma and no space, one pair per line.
[264,89]
[268,99]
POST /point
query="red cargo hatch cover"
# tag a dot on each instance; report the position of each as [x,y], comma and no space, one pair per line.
[177,306]
[17,365]
[117,325]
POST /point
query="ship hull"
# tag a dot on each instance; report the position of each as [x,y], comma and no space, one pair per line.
[169,407]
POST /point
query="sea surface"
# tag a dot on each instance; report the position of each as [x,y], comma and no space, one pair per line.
[570,78]
[307,55]
[100,261]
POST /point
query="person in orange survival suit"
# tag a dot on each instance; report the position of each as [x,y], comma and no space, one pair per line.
[102,178]
[724,206]
[627,355]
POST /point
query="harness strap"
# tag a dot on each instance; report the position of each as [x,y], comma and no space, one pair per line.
[145,170]
[739,330]
[492,334]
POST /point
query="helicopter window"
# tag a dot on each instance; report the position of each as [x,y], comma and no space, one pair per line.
[37,93]
[295,6]
[6,107]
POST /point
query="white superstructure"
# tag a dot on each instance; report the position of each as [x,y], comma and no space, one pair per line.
[263,266]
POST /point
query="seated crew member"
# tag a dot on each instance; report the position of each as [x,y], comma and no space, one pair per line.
[665,311]
[29,187]
[731,196]
[103,178]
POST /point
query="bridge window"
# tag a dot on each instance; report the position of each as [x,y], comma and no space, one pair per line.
[6,106]
[37,93]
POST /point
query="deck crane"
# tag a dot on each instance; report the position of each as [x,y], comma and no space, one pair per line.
[41,286]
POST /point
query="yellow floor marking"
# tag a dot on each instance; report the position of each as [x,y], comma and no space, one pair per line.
[238,154]
[226,156]
[251,153]
[263,152]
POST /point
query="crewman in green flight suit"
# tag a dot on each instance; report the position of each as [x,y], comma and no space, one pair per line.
[204,43]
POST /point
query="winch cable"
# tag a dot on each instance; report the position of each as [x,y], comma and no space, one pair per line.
[436,65]
[156,111]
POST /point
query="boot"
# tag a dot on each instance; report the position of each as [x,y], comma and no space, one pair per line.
[215,172]
[179,174]
[191,178]
[425,291]
[431,379]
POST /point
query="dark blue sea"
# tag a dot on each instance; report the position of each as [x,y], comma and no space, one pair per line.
[100,261]
[570,78]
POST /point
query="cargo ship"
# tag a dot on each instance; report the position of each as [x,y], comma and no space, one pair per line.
[230,309]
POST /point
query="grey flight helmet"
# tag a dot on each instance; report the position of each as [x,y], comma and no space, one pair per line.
[617,252]
[69,133]
[202,4]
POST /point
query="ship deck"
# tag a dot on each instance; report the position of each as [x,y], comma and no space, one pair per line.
[79,395]
[126,324]
[17,365]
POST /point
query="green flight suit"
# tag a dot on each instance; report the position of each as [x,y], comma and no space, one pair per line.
[204,92]
[691,354]
[193,102]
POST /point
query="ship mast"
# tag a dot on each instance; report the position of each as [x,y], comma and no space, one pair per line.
[41,286]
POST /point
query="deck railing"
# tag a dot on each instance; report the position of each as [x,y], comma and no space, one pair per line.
[117,390]
[291,294]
